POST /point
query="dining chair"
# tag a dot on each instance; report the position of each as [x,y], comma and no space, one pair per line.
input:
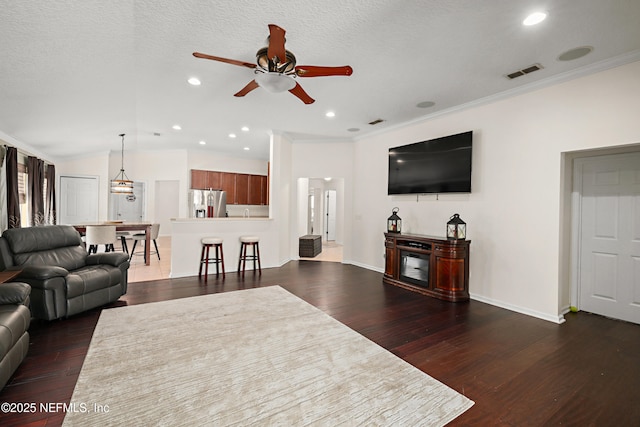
[155,230]
[100,235]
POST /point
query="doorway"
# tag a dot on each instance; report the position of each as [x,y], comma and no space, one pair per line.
[607,235]
[321,212]
[128,207]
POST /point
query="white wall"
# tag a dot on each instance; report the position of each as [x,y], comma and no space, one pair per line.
[513,213]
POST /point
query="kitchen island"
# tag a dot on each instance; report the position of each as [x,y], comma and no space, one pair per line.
[187,232]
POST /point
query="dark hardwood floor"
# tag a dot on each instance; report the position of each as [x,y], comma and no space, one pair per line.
[519,370]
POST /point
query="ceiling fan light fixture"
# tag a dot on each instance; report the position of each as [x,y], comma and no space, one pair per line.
[275,82]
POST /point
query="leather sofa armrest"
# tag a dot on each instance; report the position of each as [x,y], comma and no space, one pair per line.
[14,293]
[42,272]
[109,258]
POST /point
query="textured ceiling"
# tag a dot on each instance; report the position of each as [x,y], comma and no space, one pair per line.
[75,74]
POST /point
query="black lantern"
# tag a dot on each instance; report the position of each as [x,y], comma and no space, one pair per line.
[456,228]
[394,223]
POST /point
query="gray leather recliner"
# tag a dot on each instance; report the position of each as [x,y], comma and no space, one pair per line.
[14,323]
[65,280]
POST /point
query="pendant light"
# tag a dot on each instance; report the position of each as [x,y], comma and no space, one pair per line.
[121,184]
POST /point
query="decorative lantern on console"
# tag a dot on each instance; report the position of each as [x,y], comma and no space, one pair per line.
[456,228]
[394,223]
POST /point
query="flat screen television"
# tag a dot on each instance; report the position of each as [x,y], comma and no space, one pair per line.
[441,165]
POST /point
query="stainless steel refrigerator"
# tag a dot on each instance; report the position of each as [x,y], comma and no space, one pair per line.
[207,203]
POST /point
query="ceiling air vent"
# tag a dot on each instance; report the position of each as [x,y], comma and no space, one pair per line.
[376,121]
[529,69]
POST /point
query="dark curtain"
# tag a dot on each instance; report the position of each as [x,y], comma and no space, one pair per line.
[35,173]
[13,199]
[50,202]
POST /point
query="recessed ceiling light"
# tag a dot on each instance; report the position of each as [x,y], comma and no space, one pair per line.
[425,104]
[534,18]
[232,135]
[177,127]
[194,81]
[328,179]
[330,114]
[244,129]
[246,148]
[203,142]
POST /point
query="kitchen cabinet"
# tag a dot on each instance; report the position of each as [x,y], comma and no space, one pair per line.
[257,190]
[205,180]
[241,188]
[228,184]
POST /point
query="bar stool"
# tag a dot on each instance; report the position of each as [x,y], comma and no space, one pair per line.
[208,243]
[252,241]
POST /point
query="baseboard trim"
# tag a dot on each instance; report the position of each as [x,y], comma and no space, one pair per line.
[559,319]
[367,266]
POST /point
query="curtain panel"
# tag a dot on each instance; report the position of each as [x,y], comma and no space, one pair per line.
[50,201]
[35,173]
[13,199]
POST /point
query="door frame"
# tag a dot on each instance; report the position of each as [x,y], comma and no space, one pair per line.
[577,164]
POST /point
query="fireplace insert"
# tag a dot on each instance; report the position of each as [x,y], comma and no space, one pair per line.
[414,268]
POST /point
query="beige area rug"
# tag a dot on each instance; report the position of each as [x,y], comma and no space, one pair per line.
[251,357]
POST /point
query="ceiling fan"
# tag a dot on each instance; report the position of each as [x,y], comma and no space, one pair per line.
[276,68]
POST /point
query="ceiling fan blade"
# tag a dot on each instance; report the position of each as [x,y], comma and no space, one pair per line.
[301,94]
[313,71]
[276,43]
[248,88]
[228,61]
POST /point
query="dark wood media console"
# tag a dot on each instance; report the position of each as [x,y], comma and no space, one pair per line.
[433,266]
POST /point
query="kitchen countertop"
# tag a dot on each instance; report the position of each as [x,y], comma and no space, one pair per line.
[229,218]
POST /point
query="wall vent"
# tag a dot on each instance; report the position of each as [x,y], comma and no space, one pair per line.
[376,121]
[529,69]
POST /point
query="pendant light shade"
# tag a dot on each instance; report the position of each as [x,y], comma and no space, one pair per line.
[121,184]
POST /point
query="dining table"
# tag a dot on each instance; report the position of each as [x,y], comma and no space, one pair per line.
[125,226]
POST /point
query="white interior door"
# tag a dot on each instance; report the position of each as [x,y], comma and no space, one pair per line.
[127,208]
[330,215]
[609,259]
[78,200]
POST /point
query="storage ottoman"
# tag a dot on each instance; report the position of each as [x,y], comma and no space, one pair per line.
[310,245]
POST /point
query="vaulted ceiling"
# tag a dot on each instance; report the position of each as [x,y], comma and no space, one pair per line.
[76,74]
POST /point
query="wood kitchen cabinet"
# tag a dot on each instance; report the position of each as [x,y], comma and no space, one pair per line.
[257,190]
[205,180]
[241,188]
[228,184]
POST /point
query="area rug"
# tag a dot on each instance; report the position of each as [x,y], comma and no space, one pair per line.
[252,357]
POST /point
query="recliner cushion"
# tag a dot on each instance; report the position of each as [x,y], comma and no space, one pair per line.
[92,278]
[58,245]
[14,321]
[69,257]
